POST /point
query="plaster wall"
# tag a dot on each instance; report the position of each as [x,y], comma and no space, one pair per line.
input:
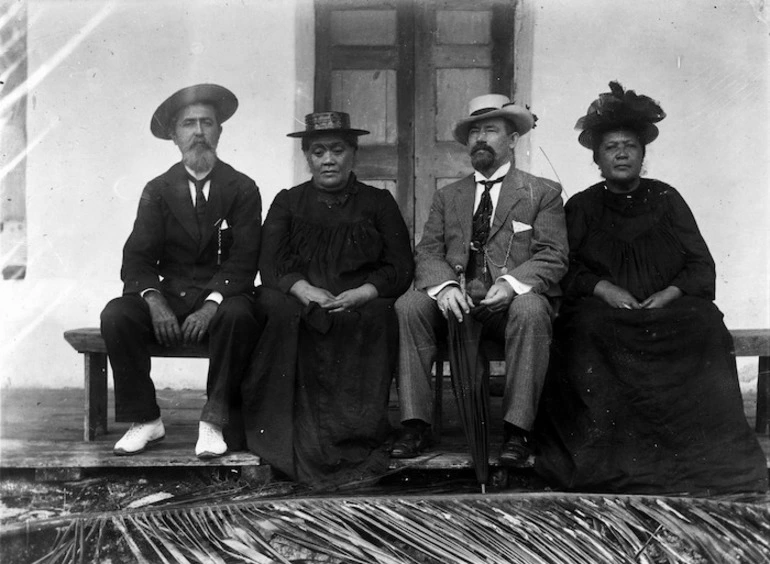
[97,72]
[707,65]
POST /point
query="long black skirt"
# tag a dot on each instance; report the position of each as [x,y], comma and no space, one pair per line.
[316,394]
[646,401]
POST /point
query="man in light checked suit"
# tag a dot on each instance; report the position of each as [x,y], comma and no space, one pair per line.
[505,229]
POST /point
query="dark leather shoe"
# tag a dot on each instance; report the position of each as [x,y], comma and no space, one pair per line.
[516,451]
[411,443]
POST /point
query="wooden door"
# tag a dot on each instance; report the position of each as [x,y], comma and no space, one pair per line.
[405,70]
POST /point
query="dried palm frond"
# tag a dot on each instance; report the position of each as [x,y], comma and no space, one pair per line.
[505,528]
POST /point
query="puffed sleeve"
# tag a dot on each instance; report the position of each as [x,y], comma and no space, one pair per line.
[698,277]
[279,267]
[581,278]
[396,270]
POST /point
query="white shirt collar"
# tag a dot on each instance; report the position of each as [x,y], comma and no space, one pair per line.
[198,175]
[499,173]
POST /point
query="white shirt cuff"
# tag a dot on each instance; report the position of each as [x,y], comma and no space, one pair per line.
[143,293]
[518,287]
[434,291]
[215,297]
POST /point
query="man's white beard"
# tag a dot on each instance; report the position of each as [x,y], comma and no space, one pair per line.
[199,158]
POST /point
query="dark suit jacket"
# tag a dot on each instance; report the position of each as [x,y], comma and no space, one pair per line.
[166,252]
[538,256]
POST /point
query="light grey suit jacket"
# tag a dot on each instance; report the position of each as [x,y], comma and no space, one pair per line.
[538,255]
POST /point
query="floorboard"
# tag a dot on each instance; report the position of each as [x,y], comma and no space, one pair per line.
[43,429]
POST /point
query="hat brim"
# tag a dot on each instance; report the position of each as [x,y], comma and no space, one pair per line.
[318,132]
[647,133]
[220,97]
[520,118]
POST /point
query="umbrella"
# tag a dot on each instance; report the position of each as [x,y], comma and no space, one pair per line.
[470,382]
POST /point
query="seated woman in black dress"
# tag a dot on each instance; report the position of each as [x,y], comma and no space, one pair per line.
[643,394]
[335,256]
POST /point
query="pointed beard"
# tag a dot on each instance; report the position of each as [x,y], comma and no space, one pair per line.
[483,159]
[199,158]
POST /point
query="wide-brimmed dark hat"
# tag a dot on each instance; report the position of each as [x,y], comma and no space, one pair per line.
[220,97]
[327,122]
[620,109]
[491,106]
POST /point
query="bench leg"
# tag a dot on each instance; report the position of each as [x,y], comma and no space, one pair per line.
[95,417]
[763,396]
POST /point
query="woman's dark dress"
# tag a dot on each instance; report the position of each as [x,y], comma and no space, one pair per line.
[643,401]
[315,398]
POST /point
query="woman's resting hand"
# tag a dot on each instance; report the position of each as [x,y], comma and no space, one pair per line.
[351,299]
[306,293]
[615,296]
[662,298]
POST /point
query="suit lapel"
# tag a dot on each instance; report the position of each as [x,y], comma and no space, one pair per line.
[463,206]
[220,200]
[509,195]
[179,200]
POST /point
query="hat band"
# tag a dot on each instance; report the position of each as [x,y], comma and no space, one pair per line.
[483,111]
[327,121]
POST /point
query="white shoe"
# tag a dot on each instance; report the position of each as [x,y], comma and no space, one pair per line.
[139,436]
[211,443]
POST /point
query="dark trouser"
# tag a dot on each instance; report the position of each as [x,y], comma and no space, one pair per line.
[127,330]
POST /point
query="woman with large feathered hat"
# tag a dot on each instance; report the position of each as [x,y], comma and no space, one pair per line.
[643,395]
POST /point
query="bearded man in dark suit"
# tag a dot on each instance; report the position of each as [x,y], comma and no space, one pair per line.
[188,271]
[504,230]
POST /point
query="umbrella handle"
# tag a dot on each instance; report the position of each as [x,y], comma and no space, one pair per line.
[461,273]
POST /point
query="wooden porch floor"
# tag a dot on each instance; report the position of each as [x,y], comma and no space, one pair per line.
[41,430]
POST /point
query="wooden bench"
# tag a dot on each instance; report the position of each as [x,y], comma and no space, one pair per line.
[746,342]
[89,342]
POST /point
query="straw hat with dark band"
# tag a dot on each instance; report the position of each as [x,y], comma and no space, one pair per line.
[492,106]
[327,122]
[620,109]
[224,102]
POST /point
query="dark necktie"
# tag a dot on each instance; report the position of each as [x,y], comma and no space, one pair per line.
[477,271]
[483,215]
[200,199]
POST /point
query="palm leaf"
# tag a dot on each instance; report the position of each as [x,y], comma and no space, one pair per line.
[511,528]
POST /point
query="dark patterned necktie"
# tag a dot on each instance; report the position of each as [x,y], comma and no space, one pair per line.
[477,271]
[483,215]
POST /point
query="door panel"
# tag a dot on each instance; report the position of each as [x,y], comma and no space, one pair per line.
[405,70]
[364,66]
[461,53]
[369,96]
[454,87]
[363,27]
[463,27]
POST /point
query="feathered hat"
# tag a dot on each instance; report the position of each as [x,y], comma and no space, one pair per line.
[620,108]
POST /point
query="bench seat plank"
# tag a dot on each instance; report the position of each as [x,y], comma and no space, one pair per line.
[89,342]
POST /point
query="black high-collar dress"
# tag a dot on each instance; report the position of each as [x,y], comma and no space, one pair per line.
[317,393]
[643,401]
